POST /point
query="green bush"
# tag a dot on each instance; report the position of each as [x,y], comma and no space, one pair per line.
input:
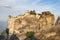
[30,34]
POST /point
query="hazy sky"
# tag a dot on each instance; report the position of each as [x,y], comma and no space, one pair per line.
[16,7]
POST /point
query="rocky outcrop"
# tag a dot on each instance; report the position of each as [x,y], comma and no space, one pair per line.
[58,21]
[30,21]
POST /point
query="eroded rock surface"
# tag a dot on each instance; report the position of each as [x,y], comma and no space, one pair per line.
[30,21]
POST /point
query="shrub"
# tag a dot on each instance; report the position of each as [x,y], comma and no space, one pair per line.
[30,34]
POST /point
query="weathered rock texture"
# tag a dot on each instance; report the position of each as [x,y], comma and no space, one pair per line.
[31,21]
[58,21]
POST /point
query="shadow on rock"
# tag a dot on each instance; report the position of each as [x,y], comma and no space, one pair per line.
[14,37]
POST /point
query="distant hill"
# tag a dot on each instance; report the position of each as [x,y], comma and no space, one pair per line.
[3,25]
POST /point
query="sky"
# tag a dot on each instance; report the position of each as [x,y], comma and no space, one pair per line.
[17,7]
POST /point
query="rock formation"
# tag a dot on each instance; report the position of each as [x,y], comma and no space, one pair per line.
[58,21]
[30,21]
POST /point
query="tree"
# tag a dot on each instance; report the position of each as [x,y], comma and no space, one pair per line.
[7,31]
[33,12]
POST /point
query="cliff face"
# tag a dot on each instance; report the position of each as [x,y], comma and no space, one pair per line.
[58,21]
[30,21]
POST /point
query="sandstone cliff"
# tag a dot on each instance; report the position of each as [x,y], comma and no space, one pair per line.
[30,21]
[58,21]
